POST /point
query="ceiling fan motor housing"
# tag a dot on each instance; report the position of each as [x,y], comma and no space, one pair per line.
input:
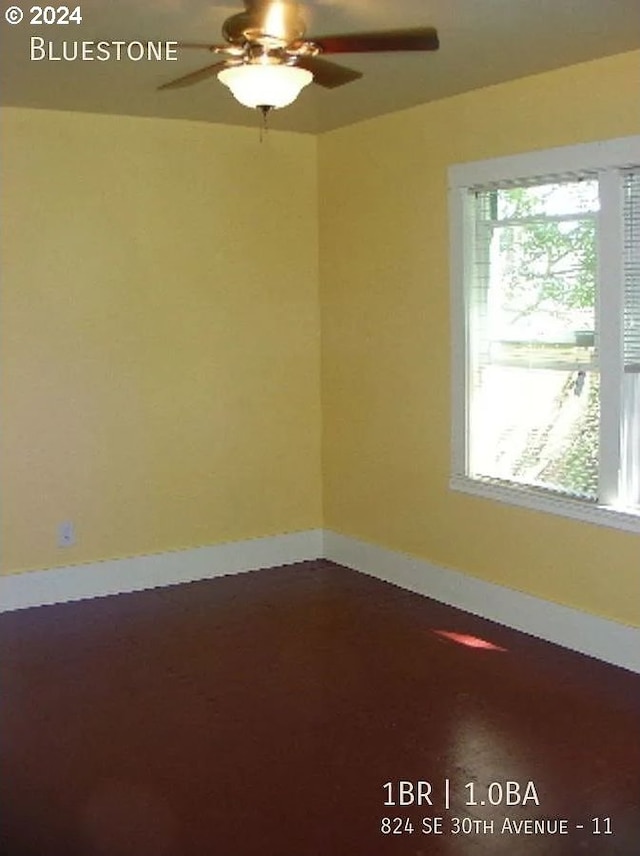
[276,22]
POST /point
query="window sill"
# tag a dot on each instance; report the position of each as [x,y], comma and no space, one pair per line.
[538,500]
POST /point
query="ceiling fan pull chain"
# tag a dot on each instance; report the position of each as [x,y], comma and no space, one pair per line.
[264,126]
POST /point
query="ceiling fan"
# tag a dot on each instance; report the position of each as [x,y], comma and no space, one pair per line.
[270,59]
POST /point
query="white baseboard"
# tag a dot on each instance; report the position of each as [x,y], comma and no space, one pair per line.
[118,576]
[614,643]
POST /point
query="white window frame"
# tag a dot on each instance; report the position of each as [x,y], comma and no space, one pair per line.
[603,157]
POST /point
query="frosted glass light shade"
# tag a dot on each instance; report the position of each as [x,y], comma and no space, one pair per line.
[265,85]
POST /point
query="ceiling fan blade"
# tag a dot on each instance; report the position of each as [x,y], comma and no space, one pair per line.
[417,39]
[195,76]
[232,50]
[203,46]
[327,74]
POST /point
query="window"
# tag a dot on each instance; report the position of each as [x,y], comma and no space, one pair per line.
[546,308]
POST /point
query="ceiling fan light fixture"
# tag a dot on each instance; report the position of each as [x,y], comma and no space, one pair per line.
[261,85]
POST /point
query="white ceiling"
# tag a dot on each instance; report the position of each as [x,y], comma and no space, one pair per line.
[481,42]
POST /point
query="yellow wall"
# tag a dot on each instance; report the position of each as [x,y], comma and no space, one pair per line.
[160,336]
[386,340]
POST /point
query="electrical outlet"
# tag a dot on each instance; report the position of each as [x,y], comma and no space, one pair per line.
[66,534]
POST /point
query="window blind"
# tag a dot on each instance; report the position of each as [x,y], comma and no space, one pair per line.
[631,221]
[534,180]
